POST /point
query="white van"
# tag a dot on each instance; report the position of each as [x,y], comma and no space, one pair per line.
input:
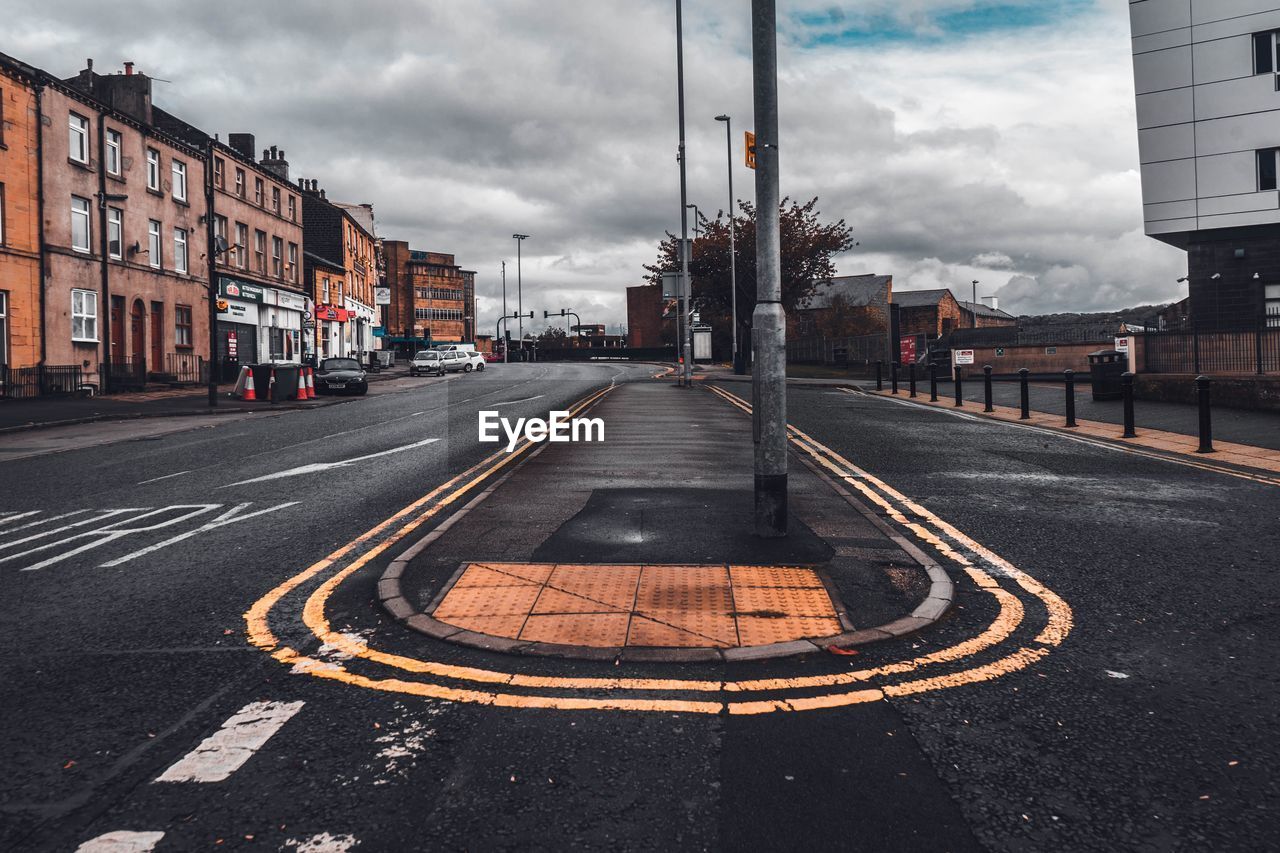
[456,347]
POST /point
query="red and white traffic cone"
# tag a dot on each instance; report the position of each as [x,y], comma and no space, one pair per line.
[271,387]
[311,383]
[301,393]
[248,395]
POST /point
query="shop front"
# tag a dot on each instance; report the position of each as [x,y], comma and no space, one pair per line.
[331,330]
[257,324]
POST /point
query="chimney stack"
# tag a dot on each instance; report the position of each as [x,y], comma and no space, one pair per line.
[273,161]
[243,143]
[128,69]
[992,302]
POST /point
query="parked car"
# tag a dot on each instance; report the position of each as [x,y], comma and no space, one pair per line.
[341,376]
[492,356]
[427,363]
[475,361]
[455,361]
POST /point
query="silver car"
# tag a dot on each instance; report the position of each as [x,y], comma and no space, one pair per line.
[427,363]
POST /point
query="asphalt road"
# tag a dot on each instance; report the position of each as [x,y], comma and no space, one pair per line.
[1150,728]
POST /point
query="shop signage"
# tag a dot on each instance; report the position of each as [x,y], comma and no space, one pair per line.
[382,296]
[907,350]
[332,314]
[233,346]
[236,289]
[379,332]
[237,313]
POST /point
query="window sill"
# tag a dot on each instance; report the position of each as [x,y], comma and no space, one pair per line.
[185,347]
[181,201]
[80,164]
[119,179]
[155,192]
[93,341]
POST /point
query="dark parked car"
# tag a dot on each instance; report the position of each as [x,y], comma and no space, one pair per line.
[341,376]
[426,363]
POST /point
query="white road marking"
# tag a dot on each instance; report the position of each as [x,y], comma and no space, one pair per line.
[41,521]
[8,517]
[229,517]
[227,749]
[323,843]
[415,414]
[112,532]
[165,477]
[513,402]
[317,467]
[121,841]
[102,516]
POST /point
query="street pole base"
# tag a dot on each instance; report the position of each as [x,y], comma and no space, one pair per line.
[771,505]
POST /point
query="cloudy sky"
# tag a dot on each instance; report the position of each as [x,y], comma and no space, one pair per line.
[960,139]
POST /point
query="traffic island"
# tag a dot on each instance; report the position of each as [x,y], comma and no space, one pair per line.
[641,548]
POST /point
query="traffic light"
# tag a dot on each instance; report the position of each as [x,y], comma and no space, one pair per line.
[751,149]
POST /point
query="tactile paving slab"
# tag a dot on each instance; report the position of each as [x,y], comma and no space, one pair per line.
[652,606]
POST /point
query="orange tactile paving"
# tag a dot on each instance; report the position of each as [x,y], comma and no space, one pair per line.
[687,606]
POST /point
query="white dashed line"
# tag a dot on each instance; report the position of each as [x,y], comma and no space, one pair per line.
[322,843]
[165,477]
[317,467]
[224,751]
[121,841]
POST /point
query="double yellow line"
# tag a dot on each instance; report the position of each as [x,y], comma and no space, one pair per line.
[487,685]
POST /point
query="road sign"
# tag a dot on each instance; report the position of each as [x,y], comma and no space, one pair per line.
[961,357]
[701,343]
[907,350]
[671,285]
[751,149]
[1122,345]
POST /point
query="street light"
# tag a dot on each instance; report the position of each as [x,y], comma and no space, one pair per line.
[685,333]
[738,366]
[519,238]
[975,303]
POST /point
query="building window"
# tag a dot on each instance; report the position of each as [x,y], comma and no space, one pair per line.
[1271,305]
[79,139]
[260,251]
[80,224]
[1267,158]
[240,182]
[219,172]
[219,229]
[84,316]
[293,208]
[4,321]
[1,116]
[1,214]
[277,257]
[1264,52]
[115,232]
[275,200]
[153,169]
[258,197]
[113,152]
[182,336]
[179,180]
[325,291]
[437,313]
[180,249]
[153,243]
[242,245]
[293,262]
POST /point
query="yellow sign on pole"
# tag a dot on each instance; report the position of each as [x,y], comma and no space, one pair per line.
[751,149]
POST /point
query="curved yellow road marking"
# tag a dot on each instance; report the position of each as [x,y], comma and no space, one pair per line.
[1009,617]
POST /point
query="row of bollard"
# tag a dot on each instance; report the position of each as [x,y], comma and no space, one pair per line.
[1069,381]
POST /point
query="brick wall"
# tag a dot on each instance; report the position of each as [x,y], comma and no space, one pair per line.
[20,249]
[644,316]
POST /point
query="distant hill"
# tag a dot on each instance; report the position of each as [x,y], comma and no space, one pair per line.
[1142,315]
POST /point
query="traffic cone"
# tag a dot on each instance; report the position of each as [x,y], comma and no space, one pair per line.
[311,383]
[302,384]
[271,387]
[248,394]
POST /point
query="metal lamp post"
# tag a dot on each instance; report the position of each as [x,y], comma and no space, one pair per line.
[738,367]
[504,307]
[519,238]
[686,334]
[769,336]
[695,218]
[975,303]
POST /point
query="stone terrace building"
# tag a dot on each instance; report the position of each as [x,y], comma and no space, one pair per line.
[21,343]
[432,298]
[338,234]
[124,235]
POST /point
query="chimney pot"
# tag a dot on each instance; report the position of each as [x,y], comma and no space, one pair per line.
[128,69]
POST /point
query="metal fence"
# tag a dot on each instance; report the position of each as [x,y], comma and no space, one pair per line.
[1047,335]
[40,381]
[185,368]
[595,353]
[854,351]
[123,374]
[1189,351]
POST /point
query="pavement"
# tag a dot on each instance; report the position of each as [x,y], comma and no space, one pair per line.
[198,653]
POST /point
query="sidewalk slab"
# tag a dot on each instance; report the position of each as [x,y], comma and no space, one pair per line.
[642,547]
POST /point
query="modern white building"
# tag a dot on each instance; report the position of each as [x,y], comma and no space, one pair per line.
[1207,77]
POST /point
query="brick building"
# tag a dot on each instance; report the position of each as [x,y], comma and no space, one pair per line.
[985,314]
[846,305]
[646,320]
[21,342]
[932,313]
[124,235]
[339,239]
[432,297]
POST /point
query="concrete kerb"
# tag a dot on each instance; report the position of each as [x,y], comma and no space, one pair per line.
[390,593]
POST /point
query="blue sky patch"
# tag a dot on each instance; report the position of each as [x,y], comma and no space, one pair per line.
[851,28]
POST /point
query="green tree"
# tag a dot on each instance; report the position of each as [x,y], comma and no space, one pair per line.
[807,247]
[553,337]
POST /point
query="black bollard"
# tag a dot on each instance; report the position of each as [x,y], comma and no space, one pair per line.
[1206,425]
[986,383]
[879,375]
[933,382]
[1126,387]
[959,393]
[1025,390]
[893,377]
[1069,376]
[911,378]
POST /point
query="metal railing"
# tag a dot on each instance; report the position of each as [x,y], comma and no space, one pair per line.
[1230,352]
[856,350]
[123,374]
[185,368]
[44,380]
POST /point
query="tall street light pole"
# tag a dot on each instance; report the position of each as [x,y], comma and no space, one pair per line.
[694,207]
[504,307]
[686,334]
[975,303]
[768,339]
[733,254]
[520,238]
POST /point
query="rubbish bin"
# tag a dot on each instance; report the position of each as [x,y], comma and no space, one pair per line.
[286,387]
[1105,369]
